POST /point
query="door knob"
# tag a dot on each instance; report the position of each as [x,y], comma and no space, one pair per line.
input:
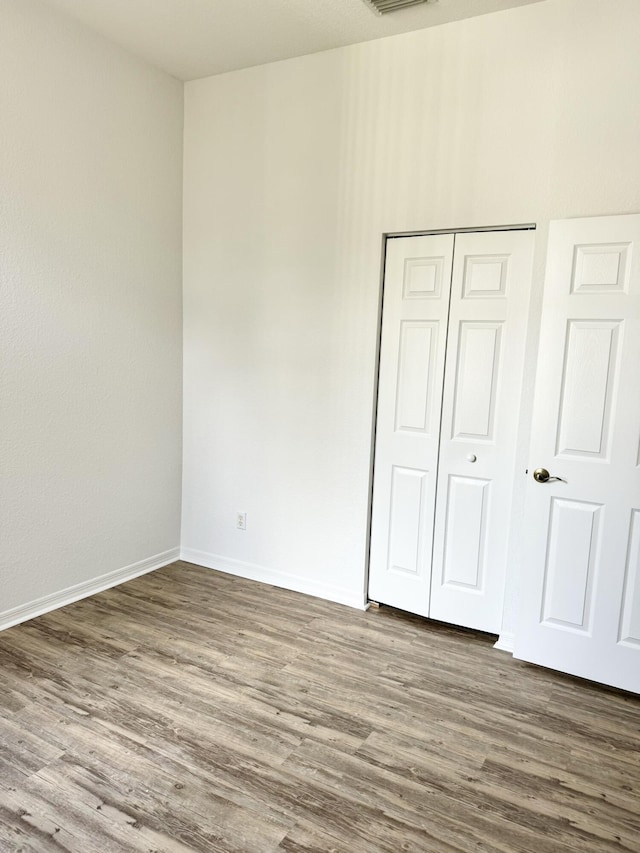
[541,475]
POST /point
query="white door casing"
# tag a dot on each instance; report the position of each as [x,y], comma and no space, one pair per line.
[483,382]
[465,340]
[580,589]
[412,355]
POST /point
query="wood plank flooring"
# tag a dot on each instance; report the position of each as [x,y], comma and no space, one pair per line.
[193,711]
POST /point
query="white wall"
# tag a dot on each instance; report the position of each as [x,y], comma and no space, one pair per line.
[90,313]
[292,173]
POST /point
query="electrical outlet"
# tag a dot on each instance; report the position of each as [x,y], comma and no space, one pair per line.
[241,521]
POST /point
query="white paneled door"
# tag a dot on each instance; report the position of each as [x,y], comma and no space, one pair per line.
[412,357]
[480,408]
[453,332]
[581,587]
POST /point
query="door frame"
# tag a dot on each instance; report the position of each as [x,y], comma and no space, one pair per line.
[389,235]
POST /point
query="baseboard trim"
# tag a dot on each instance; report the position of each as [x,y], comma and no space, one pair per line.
[506,642]
[39,606]
[252,571]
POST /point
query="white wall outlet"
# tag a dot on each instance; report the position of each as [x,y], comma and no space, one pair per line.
[241,521]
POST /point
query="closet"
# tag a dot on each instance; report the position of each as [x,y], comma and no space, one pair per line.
[452,344]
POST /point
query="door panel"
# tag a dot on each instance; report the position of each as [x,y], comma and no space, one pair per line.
[580,589]
[412,355]
[483,377]
[408,522]
[466,523]
[573,544]
[590,374]
[478,366]
[630,624]
[416,365]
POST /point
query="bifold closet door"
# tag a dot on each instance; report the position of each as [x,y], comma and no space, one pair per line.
[412,356]
[452,350]
[480,409]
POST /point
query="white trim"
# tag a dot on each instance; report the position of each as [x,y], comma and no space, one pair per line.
[82,590]
[252,571]
[506,642]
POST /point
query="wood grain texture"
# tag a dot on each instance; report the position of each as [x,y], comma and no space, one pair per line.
[192,711]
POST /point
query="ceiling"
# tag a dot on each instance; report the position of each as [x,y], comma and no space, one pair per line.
[197,38]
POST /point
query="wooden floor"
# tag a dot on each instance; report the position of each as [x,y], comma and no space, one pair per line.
[189,710]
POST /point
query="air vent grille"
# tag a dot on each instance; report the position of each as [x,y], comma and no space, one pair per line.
[382,7]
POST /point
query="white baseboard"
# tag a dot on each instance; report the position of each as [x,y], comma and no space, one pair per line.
[252,571]
[506,642]
[84,589]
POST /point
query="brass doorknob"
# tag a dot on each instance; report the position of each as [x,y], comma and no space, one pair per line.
[541,475]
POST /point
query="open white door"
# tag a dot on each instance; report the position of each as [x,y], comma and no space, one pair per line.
[412,355]
[581,588]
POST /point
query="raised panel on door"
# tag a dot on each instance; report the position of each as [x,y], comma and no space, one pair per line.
[573,543]
[477,371]
[412,352]
[483,377]
[465,527]
[416,365]
[407,520]
[588,388]
[580,588]
[629,633]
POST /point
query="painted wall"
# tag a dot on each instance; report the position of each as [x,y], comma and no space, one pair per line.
[90,313]
[292,173]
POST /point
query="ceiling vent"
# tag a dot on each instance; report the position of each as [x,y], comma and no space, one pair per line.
[382,7]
